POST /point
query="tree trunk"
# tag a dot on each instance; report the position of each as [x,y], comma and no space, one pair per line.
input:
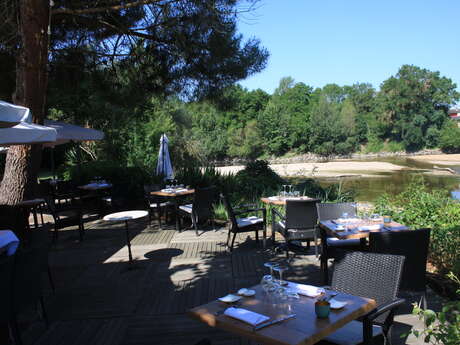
[23,162]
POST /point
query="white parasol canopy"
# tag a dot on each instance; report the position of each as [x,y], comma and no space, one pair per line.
[67,133]
[11,114]
[164,166]
[26,133]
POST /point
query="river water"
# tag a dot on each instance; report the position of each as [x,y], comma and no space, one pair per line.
[369,188]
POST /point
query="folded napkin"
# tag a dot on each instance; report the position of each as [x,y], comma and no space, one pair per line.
[306,290]
[180,190]
[370,227]
[247,316]
[8,241]
[396,227]
[273,198]
[168,190]
[346,220]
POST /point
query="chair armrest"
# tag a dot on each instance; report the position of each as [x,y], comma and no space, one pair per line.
[275,212]
[384,308]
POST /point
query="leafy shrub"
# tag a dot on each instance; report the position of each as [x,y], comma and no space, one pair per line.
[449,141]
[442,327]
[332,193]
[257,179]
[419,207]
[393,146]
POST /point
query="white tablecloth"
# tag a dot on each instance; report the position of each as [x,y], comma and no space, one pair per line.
[8,242]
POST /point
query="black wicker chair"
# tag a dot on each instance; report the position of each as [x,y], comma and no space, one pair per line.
[27,283]
[200,211]
[6,291]
[65,217]
[370,275]
[413,245]
[297,226]
[156,204]
[245,224]
[331,247]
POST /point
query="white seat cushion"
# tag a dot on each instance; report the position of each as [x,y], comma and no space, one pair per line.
[187,208]
[335,242]
[242,222]
[162,204]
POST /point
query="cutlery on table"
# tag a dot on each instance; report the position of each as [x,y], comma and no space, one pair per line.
[269,323]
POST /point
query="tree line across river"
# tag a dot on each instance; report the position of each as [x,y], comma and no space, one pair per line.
[408,112]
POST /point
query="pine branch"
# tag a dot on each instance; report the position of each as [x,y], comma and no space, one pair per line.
[117,7]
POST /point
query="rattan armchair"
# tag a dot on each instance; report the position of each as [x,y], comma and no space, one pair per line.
[201,209]
[156,204]
[370,275]
[331,247]
[245,224]
[63,218]
[298,225]
[413,245]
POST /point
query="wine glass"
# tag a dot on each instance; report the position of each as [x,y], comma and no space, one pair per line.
[284,189]
[280,269]
[291,191]
[271,265]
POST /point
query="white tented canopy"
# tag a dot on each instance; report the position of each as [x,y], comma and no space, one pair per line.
[67,133]
[26,133]
[164,166]
[11,114]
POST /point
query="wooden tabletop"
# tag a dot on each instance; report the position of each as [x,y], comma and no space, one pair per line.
[278,200]
[173,194]
[305,328]
[352,231]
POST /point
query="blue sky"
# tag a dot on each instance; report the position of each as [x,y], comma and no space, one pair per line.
[348,41]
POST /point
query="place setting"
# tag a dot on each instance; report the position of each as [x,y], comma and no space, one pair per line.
[277,300]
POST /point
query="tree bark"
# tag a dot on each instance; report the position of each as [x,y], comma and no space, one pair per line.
[23,162]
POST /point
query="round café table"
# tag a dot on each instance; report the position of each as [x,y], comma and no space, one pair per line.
[126,216]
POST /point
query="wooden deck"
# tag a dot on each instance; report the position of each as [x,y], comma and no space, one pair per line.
[99,302]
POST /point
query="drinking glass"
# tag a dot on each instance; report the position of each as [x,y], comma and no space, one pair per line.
[280,269]
[344,215]
[271,266]
[296,193]
[375,217]
[284,189]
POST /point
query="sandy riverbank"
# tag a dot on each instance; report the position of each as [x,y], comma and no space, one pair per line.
[329,169]
[452,159]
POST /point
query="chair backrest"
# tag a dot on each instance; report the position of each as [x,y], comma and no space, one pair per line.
[202,203]
[301,214]
[27,280]
[370,275]
[39,238]
[14,218]
[327,211]
[413,245]
[229,209]
[6,272]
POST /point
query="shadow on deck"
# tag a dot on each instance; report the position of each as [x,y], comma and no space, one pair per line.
[98,301]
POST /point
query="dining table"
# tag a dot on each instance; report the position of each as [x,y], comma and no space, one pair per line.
[352,228]
[175,194]
[303,327]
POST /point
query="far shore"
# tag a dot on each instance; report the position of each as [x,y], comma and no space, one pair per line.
[351,168]
[442,159]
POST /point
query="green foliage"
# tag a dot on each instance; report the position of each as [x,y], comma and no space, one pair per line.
[450,138]
[441,327]
[332,193]
[412,105]
[131,178]
[420,207]
[258,179]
